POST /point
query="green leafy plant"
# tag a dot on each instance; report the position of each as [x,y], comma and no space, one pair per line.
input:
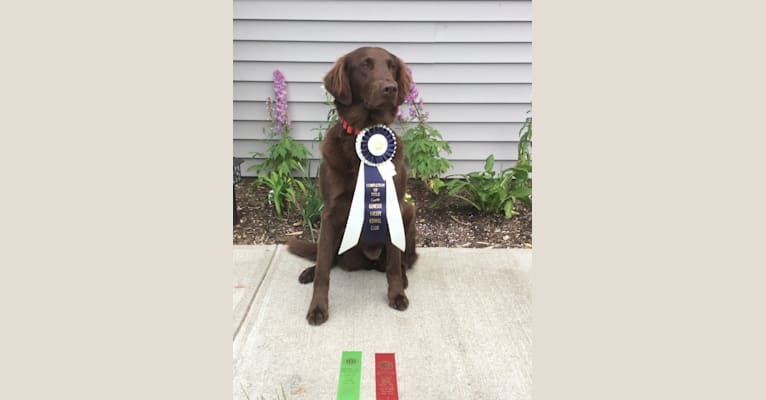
[285,155]
[422,152]
[422,143]
[522,183]
[310,205]
[487,190]
[283,193]
[525,141]
[491,191]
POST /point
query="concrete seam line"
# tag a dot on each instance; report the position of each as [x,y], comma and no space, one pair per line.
[255,293]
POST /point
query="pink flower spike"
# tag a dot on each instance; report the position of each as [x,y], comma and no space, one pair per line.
[413,93]
[280,106]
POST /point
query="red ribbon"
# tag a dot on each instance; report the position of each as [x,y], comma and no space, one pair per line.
[385,377]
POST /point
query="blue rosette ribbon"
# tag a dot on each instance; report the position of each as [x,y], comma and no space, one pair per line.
[375,206]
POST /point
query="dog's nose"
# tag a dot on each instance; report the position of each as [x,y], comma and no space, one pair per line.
[389,88]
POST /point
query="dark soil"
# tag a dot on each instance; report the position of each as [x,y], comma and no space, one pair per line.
[453,223]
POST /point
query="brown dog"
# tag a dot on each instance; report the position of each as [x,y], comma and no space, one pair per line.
[369,84]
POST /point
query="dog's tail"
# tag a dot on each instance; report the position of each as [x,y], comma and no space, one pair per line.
[303,248]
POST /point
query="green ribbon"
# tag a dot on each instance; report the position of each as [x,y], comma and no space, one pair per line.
[349,381]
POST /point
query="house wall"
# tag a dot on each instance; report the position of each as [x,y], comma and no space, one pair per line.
[471,60]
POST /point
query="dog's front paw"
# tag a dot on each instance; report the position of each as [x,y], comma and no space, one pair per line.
[399,302]
[318,314]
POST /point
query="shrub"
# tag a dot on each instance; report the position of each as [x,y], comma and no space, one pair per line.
[487,190]
[422,143]
[422,152]
[285,154]
[490,191]
[285,157]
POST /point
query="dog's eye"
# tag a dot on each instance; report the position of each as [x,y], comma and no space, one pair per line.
[367,63]
[392,65]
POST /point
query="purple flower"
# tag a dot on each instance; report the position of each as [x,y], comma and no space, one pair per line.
[414,103]
[280,102]
[413,94]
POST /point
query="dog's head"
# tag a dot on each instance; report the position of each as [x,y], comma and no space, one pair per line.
[370,76]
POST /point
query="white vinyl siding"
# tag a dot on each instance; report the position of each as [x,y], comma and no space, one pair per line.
[470,59]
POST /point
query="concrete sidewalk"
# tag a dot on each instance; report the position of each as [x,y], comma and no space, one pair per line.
[465,335]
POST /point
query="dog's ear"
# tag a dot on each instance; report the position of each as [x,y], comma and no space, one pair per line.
[403,78]
[336,82]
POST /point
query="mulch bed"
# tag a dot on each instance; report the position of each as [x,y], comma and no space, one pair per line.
[452,223]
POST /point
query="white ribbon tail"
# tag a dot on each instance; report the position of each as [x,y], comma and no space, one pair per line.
[393,212]
[355,214]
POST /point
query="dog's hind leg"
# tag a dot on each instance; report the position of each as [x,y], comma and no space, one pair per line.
[307,276]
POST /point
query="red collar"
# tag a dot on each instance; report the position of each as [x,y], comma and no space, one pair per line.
[348,128]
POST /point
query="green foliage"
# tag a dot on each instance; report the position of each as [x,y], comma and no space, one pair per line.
[422,152]
[422,143]
[525,140]
[288,194]
[522,182]
[310,205]
[285,157]
[488,190]
[283,193]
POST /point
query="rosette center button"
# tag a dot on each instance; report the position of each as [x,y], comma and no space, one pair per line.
[377,144]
